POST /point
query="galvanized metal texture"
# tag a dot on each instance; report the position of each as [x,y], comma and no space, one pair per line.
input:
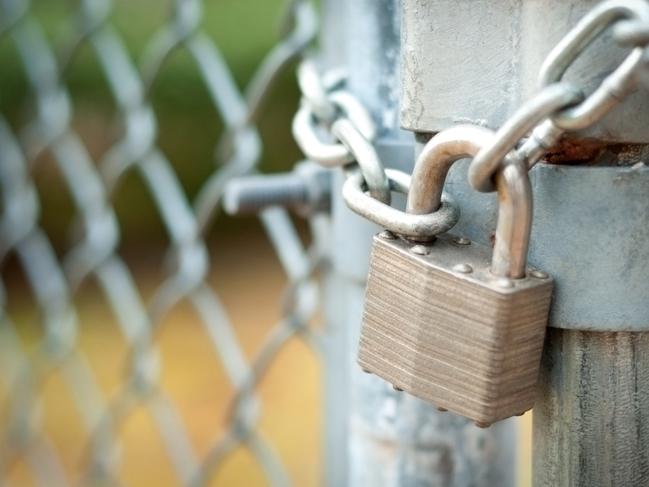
[476,61]
[591,419]
[439,325]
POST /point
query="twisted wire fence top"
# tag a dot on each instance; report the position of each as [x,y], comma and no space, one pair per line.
[48,136]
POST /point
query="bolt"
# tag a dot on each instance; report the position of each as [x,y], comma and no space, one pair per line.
[387,235]
[482,424]
[251,194]
[397,388]
[539,274]
[442,410]
[462,241]
[463,268]
[306,189]
[366,371]
[420,250]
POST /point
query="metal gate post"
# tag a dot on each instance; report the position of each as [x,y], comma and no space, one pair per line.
[475,61]
[375,435]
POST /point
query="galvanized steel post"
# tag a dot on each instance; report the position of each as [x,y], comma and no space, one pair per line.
[375,435]
[475,61]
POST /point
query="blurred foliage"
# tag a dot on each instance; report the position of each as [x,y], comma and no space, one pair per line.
[189,126]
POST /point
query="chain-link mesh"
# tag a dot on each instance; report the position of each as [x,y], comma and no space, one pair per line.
[55,281]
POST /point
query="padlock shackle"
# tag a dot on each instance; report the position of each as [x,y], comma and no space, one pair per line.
[512,182]
[514,226]
[435,160]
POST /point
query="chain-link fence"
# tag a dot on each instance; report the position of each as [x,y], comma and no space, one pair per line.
[48,358]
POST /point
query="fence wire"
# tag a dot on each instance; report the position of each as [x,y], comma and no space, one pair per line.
[55,282]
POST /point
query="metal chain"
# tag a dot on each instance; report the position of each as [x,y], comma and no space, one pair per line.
[561,107]
[334,129]
[323,102]
[558,107]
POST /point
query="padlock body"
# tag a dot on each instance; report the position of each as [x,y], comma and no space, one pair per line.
[442,327]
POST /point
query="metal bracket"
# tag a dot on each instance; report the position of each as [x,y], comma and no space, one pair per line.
[590,232]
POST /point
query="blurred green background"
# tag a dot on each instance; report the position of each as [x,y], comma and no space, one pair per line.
[189,126]
[245,272]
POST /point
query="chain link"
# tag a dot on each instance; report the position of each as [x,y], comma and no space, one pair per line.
[330,112]
[324,101]
[631,33]
[366,157]
[414,226]
[546,103]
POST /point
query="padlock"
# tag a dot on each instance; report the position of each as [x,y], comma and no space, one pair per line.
[447,321]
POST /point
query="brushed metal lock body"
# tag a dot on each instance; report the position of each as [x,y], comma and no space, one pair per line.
[451,321]
[442,327]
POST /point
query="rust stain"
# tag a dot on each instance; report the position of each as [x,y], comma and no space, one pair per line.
[595,152]
[569,151]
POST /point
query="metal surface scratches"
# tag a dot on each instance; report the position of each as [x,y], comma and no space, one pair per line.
[591,421]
